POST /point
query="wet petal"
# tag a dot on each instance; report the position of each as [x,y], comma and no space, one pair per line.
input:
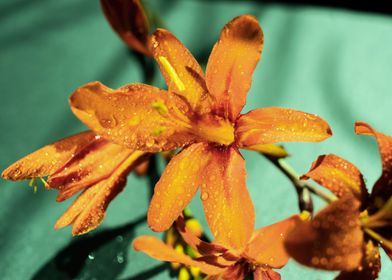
[177,186]
[266,246]
[48,159]
[136,116]
[227,204]
[237,271]
[95,162]
[338,175]
[274,124]
[204,248]
[265,274]
[382,190]
[333,240]
[88,210]
[128,19]
[180,69]
[156,249]
[369,267]
[231,64]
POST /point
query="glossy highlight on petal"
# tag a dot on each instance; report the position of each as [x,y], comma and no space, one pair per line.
[338,175]
[180,69]
[156,249]
[136,116]
[332,240]
[177,186]
[48,159]
[88,210]
[267,244]
[275,124]
[231,64]
[227,204]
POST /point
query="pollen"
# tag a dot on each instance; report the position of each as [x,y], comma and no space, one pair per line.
[160,107]
[172,73]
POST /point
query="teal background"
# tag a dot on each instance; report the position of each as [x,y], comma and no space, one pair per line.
[331,62]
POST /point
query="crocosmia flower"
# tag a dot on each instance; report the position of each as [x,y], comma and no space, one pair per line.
[260,254]
[129,21]
[345,236]
[202,114]
[84,161]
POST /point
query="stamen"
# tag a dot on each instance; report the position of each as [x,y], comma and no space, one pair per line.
[172,73]
[31,182]
[44,182]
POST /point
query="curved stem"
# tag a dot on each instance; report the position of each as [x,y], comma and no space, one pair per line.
[303,188]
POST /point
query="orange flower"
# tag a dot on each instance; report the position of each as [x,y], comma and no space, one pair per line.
[345,235]
[263,251]
[128,19]
[202,114]
[82,161]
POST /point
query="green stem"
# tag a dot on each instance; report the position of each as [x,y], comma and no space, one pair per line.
[303,188]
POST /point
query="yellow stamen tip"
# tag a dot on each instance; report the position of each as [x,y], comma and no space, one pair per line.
[183,274]
[172,73]
[305,215]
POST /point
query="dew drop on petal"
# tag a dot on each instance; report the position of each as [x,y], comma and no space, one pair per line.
[204,196]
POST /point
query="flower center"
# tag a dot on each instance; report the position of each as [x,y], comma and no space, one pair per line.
[215,129]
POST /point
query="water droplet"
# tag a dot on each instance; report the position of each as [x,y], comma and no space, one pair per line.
[204,196]
[91,256]
[119,238]
[120,257]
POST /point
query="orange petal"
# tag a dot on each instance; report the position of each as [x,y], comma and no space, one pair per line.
[231,64]
[88,210]
[95,162]
[177,186]
[48,159]
[333,240]
[266,246]
[265,274]
[227,204]
[156,249]
[370,265]
[237,271]
[180,69]
[271,150]
[338,175]
[274,124]
[136,116]
[128,19]
[204,248]
[382,190]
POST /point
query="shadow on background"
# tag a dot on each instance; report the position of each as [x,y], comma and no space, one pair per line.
[102,256]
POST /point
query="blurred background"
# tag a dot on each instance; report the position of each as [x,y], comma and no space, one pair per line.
[334,61]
